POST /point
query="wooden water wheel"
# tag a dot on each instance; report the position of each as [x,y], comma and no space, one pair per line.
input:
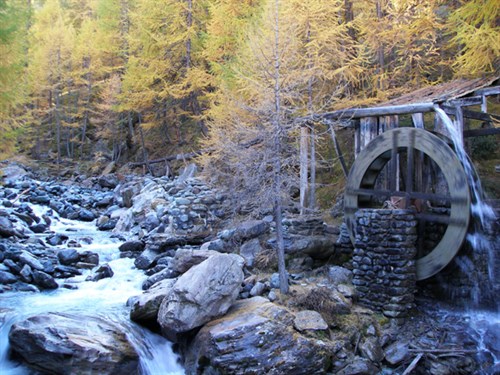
[414,168]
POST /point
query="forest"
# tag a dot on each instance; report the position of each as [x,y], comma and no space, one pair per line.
[130,81]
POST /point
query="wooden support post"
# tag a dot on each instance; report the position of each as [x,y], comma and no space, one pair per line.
[418,120]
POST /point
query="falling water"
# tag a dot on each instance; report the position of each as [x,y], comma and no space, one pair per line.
[105,298]
[484,325]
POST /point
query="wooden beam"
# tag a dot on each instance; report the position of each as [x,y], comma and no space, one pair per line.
[494,90]
[465,102]
[481,132]
[377,111]
[480,115]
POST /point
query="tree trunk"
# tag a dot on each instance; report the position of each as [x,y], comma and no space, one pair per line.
[304,164]
[284,288]
[86,64]
[143,144]
[380,51]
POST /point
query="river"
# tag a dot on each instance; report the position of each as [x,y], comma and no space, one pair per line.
[105,298]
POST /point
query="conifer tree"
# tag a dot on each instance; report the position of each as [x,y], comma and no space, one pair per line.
[475,29]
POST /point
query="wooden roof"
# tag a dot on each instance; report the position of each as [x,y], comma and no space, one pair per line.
[443,92]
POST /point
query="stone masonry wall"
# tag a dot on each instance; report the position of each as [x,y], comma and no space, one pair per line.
[384,260]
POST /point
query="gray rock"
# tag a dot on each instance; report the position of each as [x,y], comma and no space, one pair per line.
[28,258]
[68,256]
[146,259]
[258,289]
[359,366]
[63,343]
[249,250]
[371,349]
[44,280]
[134,246]
[102,272]
[397,352]
[6,227]
[339,275]
[309,320]
[166,273]
[256,337]
[7,278]
[85,215]
[26,274]
[250,229]
[145,307]
[206,291]
[184,259]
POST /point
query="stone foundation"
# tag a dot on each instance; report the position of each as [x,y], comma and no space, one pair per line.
[384,260]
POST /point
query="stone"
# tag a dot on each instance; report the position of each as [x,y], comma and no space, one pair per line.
[250,229]
[397,352]
[108,180]
[258,289]
[256,337]
[44,280]
[358,366]
[56,239]
[205,292]
[86,215]
[370,348]
[145,307]
[7,278]
[103,272]
[146,259]
[54,343]
[28,258]
[249,250]
[340,275]
[309,320]
[6,227]
[184,259]
[166,273]
[134,246]
[68,256]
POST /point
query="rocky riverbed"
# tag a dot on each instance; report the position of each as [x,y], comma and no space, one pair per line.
[209,287]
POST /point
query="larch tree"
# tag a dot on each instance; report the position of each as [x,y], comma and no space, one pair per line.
[13,24]
[475,31]
[50,70]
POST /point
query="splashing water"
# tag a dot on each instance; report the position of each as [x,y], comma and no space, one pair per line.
[483,216]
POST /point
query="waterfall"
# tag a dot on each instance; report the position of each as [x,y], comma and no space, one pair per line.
[105,298]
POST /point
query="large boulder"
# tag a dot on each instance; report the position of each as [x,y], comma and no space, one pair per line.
[186,258]
[205,292]
[57,343]
[257,337]
[145,307]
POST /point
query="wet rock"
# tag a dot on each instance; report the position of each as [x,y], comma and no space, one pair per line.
[26,274]
[68,256]
[86,215]
[57,343]
[27,258]
[133,246]
[105,223]
[89,257]
[39,228]
[145,307]
[102,272]
[7,278]
[56,239]
[256,337]
[44,280]
[309,320]
[146,259]
[6,227]
[204,292]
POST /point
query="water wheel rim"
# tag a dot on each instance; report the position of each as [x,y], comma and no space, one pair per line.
[372,160]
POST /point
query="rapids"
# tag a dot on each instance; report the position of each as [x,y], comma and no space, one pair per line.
[105,298]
